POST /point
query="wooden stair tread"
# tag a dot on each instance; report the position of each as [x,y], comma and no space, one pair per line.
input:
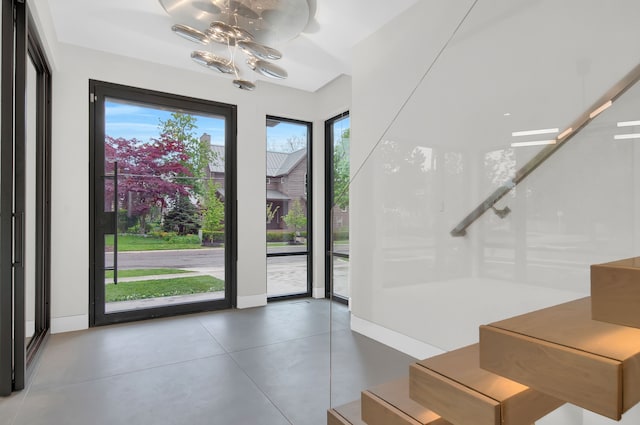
[570,324]
[389,404]
[454,386]
[346,414]
[561,351]
[615,292]
[633,263]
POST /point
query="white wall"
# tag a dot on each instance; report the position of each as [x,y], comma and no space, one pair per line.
[70,190]
[331,100]
[511,66]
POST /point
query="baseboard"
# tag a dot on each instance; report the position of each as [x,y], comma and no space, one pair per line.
[393,339]
[251,301]
[318,293]
[69,323]
[30,327]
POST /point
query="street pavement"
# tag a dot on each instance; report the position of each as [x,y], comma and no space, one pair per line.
[285,275]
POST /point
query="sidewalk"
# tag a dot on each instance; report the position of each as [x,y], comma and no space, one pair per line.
[284,279]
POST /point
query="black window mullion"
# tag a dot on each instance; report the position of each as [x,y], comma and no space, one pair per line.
[328,208]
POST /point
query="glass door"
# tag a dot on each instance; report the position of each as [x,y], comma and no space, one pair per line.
[24,200]
[337,135]
[6,200]
[163,195]
[288,212]
[36,226]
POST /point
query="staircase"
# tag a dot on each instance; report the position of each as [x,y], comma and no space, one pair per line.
[585,352]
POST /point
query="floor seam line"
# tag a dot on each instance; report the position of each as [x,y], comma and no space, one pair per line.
[260,389]
[280,342]
[102,378]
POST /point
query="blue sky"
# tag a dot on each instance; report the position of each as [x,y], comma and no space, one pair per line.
[277,137]
[130,121]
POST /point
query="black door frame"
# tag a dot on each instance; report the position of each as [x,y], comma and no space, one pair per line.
[328,209]
[20,42]
[6,200]
[43,193]
[309,185]
[98,90]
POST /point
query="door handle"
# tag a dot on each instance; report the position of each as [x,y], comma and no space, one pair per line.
[18,243]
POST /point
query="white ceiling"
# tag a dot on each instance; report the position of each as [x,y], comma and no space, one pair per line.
[142,29]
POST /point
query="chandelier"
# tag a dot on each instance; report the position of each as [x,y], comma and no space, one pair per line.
[238,33]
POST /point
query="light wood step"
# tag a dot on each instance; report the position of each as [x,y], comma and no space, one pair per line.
[563,352]
[347,414]
[615,292]
[389,404]
[454,386]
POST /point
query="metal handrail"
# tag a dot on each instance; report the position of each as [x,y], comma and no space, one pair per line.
[599,106]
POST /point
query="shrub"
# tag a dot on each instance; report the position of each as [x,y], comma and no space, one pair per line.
[134,230]
[341,236]
[162,235]
[186,239]
[126,222]
[278,236]
[209,237]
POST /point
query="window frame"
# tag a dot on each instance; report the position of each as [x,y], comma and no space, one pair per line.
[98,91]
[309,194]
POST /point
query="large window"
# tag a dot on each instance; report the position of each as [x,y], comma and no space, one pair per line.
[337,137]
[163,192]
[288,217]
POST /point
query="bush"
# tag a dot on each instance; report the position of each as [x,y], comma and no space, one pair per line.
[278,236]
[341,236]
[174,238]
[134,230]
[126,222]
[186,239]
[209,237]
[158,234]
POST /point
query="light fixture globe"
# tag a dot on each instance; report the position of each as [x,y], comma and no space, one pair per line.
[242,34]
[244,85]
[190,33]
[259,50]
[212,62]
[222,29]
[267,69]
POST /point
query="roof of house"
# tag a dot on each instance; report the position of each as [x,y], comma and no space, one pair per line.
[281,164]
[272,195]
[278,163]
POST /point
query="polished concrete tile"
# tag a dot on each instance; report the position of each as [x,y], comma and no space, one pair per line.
[212,390]
[358,362]
[294,374]
[10,406]
[301,387]
[267,365]
[111,350]
[277,322]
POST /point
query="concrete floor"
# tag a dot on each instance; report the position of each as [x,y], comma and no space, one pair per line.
[268,365]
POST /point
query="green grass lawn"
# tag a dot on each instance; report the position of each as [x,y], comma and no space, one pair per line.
[142,272]
[141,243]
[127,291]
